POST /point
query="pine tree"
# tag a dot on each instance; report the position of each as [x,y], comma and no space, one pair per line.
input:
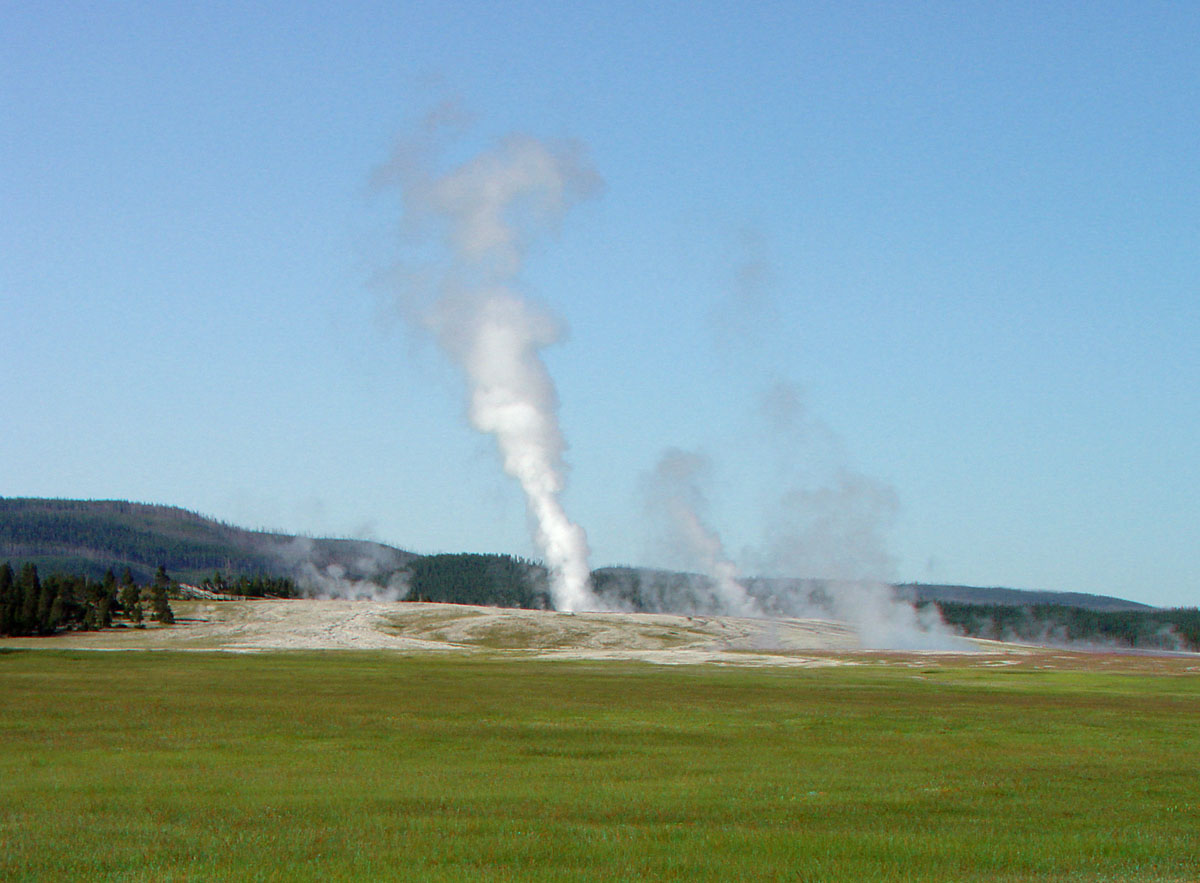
[58,612]
[47,595]
[65,610]
[8,599]
[160,605]
[107,598]
[110,587]
[131,597]
[29,589]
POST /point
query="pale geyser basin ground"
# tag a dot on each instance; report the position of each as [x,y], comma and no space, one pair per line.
[408,627]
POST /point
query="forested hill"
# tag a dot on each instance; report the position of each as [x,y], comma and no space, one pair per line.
[919,592]
[87,537]
[642,588]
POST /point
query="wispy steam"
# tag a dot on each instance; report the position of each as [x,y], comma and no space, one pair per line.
[747,309]
[830,530]
[824,519]
[824,550]
[480,216]
[675,498]
[374,573]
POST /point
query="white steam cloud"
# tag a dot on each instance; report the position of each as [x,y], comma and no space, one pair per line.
[832,529]
[823,551]
[675,498]
[374,573]
[823,555]
[480,216]
[468,227]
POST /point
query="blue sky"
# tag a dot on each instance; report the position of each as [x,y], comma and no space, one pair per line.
[972,234]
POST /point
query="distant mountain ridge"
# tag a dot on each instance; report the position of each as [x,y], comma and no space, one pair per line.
[646,588]
[88,537]
[918,592]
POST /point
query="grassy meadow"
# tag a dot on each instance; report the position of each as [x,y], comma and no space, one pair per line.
[369,766]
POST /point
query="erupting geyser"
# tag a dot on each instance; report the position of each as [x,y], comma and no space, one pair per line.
[468,226]
[483,211]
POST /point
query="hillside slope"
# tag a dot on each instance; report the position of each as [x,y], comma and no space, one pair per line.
[91,536]
[641,588]
[918,592]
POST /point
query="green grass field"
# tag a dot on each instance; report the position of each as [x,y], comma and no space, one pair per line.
[343,766]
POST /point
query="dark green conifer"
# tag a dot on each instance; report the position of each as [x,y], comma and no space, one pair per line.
[47,594]
[160,605]
[29,588]
[131,597]
[8,602]
[110,587]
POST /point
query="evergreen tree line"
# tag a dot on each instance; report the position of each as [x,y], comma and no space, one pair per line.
[653,591]
[257,586]
[31,605]
[1177,629]
[487,580]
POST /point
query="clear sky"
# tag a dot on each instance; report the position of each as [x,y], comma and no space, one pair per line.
[964,237]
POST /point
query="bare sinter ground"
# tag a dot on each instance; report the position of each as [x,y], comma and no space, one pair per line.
[453,628]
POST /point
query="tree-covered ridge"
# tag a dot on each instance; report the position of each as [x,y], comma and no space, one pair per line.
[651,590]
[31,605]
[488,580]
[90,537]
[921,592]
[256,586]
[648,590]
[1150,629]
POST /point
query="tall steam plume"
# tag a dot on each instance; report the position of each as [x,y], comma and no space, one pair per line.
[483,212]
